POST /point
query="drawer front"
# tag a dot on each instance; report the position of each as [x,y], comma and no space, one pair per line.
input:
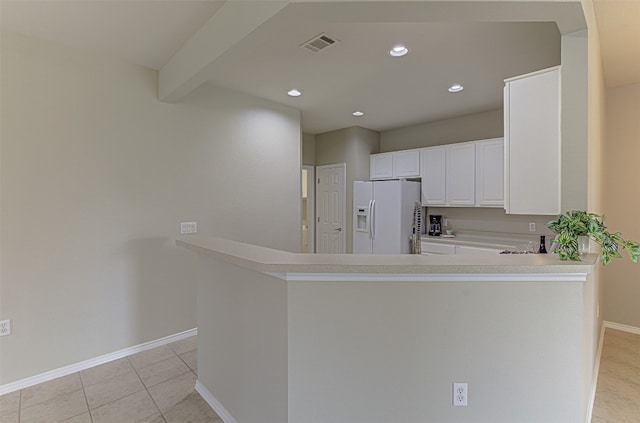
[461,249]
[434,248]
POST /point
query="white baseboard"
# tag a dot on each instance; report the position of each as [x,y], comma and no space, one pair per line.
[622,327]
[596,370]
[214,403]
[83,365]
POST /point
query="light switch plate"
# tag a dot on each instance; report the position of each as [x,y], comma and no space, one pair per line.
[188,228]
[5,327]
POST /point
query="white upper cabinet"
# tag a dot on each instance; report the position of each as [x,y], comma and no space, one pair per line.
[433,163]
[490,173]
[469,174]
[532,143]
[381,166]
[395,165]
[406,164]
[461,173]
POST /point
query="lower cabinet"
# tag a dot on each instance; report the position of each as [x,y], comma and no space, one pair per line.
[463,249]
[437,248]
[429,248]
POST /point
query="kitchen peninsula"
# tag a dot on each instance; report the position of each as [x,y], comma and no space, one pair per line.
[288,337]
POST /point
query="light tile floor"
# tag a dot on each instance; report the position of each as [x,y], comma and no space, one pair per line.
[157,386]
[154,386]
[618,389]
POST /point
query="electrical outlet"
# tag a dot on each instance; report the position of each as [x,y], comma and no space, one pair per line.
[5,327]
[188,228]
[460,394]
[532,226]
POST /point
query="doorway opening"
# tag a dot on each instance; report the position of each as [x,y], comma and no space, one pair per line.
[308,209]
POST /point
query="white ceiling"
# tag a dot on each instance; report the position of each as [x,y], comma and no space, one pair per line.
[450,42]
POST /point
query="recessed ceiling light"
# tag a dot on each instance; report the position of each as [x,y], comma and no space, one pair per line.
[358,113]
[398,51]
[456,88]
[295,93]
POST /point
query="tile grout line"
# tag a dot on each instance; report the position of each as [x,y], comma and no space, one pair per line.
[86,400]
[133,370]
[20,406]
[144,385]
[185,363]
[40,402]
[147,389]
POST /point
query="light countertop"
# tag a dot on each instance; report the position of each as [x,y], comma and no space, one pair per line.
[268,260]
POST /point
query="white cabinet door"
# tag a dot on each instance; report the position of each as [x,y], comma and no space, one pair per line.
[381,166]
[490,173]
[532,147]
[433,163]
[406,164]
[437,248]
[461,175]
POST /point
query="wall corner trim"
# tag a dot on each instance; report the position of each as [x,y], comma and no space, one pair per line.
[92,362]
[596,370]
[214,403]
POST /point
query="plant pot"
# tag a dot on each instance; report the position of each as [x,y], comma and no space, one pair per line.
[583,244]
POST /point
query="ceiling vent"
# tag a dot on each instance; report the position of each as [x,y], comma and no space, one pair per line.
[319,42]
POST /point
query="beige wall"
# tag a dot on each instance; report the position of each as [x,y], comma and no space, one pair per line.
[247,372]
[308,149]
[352,146]
[622,200]
[575,143]
[96,176]
[389,351]
[596,138]
[473,127]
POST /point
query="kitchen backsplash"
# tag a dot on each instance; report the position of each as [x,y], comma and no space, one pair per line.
[479,219]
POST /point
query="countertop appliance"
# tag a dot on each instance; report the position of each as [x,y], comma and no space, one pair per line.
[383,216]
[435,225]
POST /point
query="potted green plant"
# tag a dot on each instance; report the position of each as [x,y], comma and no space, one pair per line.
[575,223]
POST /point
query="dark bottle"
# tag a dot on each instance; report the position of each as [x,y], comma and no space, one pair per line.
[543,249]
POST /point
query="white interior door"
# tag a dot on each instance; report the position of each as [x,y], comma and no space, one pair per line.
[308,209]
[330,209]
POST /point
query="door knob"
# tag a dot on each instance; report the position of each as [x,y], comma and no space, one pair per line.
[339,229]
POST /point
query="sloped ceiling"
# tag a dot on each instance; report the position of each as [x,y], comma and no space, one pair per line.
[619,30]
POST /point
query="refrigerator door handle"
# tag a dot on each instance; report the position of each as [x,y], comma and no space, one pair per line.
[369,219]
[372,224]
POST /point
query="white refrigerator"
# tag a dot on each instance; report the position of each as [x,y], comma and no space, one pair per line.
[383,216]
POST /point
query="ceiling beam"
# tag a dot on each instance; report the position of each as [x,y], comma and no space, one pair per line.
[193,63]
